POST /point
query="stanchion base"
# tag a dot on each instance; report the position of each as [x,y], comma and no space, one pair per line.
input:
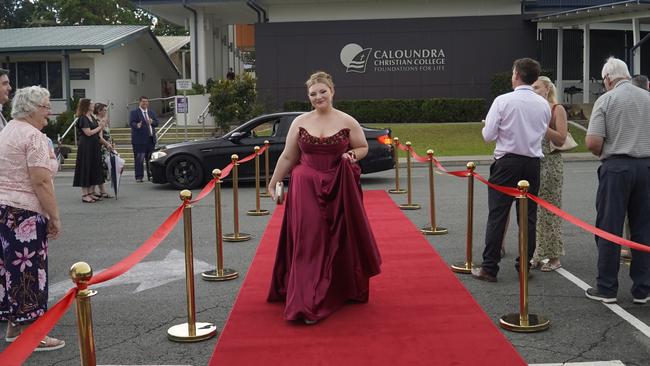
[265,194]
[536,323]
[226,274]
[257,213]
[464,268]
[428,230]
[181,332]
[236,237]
[412,206]
[397,191]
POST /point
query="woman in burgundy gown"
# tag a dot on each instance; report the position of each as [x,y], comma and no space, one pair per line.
[326,252]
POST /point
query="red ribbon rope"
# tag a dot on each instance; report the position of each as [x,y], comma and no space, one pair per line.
[19,350]
[23,346]
[576,221]
[147,247]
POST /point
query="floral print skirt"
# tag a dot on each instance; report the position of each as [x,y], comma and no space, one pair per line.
[23,265]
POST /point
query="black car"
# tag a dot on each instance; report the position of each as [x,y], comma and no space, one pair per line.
[190,164]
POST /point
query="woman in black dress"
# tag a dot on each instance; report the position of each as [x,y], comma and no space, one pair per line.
[88,170]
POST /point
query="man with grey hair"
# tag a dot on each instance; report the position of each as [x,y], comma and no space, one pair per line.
[5,88]
[619,136]
[641,81]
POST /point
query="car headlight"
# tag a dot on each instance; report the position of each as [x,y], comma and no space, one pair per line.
[158,154]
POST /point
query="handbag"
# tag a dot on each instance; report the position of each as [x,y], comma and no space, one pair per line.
[569,144]
[279,192]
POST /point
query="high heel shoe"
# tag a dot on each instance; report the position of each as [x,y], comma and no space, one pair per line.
[88,198]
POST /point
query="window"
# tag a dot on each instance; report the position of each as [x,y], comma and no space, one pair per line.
[266,128]
[47,74]
[133,77]
[55,80]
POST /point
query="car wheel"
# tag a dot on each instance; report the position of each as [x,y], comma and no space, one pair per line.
[184,172]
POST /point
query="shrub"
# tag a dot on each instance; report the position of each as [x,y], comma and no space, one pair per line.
[501,82]
[233,101]
[407,110]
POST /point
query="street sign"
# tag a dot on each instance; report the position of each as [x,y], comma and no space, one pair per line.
[183,84]
[181,104]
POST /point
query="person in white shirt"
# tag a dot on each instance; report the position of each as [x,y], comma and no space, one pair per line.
[5,88]
[517,121]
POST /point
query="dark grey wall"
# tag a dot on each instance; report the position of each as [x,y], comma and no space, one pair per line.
[474,48]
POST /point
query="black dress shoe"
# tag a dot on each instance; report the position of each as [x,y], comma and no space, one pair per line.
[482,275]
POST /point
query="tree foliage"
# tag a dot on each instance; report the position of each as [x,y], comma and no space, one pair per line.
[233,101]
[41,13]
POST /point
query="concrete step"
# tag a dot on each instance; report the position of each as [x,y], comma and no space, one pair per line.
[70,165]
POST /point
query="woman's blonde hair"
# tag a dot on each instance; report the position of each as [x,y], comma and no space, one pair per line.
[552,92]
[320,77]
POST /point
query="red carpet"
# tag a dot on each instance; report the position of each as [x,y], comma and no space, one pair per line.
[418,314]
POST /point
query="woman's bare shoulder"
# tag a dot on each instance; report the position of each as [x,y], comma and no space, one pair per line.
[301,120]
[348,120]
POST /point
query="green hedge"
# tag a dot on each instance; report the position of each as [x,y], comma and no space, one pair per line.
[406,111]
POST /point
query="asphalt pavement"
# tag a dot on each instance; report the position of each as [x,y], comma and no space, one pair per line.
[132,313]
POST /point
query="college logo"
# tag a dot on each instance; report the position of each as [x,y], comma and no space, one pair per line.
[355,58]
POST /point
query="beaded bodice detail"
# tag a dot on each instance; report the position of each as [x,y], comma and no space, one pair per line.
[337,138]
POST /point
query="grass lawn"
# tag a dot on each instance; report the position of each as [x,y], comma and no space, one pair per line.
[452,139]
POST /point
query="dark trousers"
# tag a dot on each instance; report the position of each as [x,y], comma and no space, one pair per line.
[623,187]
[508,171]
[142,154]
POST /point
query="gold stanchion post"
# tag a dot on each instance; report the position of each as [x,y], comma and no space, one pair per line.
[409,205]
[236,235]
[265,192]
[397,189]
[190,331]
[523,322]
[81,273]
[257,211]
[433,229]
[220,273]
[466,267]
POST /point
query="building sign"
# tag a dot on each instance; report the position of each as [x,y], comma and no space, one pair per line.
[78,93]
[79,74]
[181,104]
[359,60]
[183,84]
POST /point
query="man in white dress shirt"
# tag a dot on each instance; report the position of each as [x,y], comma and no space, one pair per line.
[5,88]
[517,121]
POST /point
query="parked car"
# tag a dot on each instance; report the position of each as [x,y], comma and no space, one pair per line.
[190,164]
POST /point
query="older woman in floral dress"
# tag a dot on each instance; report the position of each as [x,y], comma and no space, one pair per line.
[549,226]
[28,213]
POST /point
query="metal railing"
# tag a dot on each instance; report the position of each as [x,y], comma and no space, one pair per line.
[201,119]
[132,105]
[59,140]
[171,122]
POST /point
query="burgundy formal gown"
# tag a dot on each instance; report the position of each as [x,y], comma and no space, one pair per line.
[326,252]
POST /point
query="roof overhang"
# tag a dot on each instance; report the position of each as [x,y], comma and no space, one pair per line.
[608,13]
[225,11]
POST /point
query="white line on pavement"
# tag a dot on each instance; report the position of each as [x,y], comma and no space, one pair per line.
[634,321]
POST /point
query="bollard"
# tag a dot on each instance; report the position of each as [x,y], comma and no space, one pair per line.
[190,331]
[265,192]
[236,235]
[220,273]
[432,229]
[409,205]
[468,265]
[257,211]
[81,273]
[396,190]
[523,322]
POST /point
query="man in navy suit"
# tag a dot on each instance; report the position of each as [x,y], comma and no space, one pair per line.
[143,124]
